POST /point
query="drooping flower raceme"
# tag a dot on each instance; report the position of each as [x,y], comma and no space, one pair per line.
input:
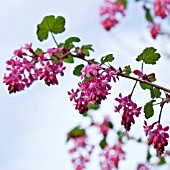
[111,156]
[109,12]
[158,137]
[93,90]
[27,66]
[129,110]
[80,152]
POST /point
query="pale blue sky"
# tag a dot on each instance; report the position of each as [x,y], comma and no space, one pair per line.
[34,123]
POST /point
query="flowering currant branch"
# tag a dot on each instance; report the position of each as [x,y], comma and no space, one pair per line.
[97,78]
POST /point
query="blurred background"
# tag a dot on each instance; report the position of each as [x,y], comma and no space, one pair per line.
[34,122]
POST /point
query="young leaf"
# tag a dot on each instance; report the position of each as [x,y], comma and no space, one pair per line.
[69,42]
[38,51]
[93,107]
[121,135]
[124,2]
[86,49]
[148,15]
[127,70]
[149,56]
[161,161]
[50,24]
[76,132]
[148,109]
[77,70]
[155,92]
[69,59]
[103,143]
[107,58]
[145,86]
[110,125]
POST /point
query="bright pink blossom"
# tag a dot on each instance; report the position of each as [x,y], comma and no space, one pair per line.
[26,66]
[129,110]
[158,137]
[95,89]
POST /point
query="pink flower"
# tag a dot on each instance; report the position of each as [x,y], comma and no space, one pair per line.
[95,89]
[26,67]
[129,110]
[157,137]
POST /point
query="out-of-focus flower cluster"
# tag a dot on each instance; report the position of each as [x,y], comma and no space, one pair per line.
[129,110]
[109,12]
[111,156]
[27,66]
[161,8]
[158,137]
[95,89]
[142,166]
[80,152]
[104,126]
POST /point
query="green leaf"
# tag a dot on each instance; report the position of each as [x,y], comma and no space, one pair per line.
[155,92]
[161,161]
[38,51]
[127,70]
[93,107]
[77,70]
[86,49]
[124,2]
[148,15]
[121,135]
[76,132]
[86,79]
[69,59]
[149,156]
[69,42]
[149,56]
[148,109]
[50,24]
[103,143]
[107,58]
[145,86]
[110,125]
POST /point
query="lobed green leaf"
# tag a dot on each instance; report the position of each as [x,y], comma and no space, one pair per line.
[149,56]
[127,70]
[107,58]
[50,24]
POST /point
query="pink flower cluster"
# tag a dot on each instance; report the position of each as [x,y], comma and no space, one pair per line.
[109,12]
[95,89]
[161,8]
[158,137]
[26,66]
[111,156]
[129,109]
[80,152]
[104,126]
